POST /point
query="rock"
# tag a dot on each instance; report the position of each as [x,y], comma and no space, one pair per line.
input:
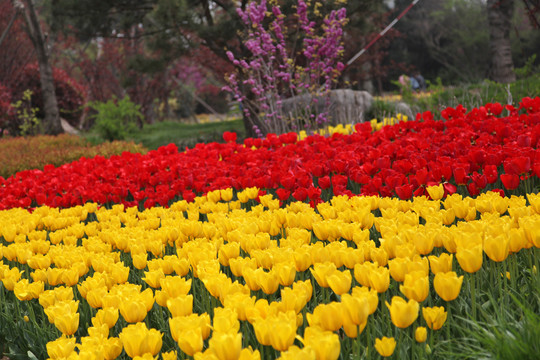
[345,105]
[403,108]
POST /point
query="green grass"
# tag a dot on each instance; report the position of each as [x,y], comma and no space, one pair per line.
[152,136]
[184,135]
[468,95]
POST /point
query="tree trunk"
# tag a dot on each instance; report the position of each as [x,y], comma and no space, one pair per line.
[52,124]
[499,13]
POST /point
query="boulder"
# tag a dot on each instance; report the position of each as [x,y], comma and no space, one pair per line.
[344,106]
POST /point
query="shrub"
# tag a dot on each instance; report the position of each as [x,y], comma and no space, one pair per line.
[18,154]
[26,115]
[115,119]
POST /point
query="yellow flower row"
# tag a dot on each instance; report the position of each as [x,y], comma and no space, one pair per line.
[83,257]
[347,129]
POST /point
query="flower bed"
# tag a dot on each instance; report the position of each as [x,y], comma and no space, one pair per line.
[269,254]
[260,280]
[477,150]
[25,153]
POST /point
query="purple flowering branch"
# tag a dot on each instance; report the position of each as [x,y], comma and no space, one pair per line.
[263,82]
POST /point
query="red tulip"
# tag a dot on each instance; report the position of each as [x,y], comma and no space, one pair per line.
[404,192]
[510,181]
[283,194]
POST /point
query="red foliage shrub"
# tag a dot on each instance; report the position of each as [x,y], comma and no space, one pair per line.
[69,94]
[6,110]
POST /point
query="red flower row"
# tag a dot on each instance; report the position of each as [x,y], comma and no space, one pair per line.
[475,149]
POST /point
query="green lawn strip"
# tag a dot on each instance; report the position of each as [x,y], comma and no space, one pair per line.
[155,135]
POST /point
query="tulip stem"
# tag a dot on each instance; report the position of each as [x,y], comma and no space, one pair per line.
[413,344]
[400,340]
[472,284]
[448,320]
[498,274]
[505,284]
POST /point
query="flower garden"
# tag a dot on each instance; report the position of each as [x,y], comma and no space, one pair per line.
[413,240]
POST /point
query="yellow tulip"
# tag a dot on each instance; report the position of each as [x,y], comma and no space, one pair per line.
[403,313]
[435,317]
[302,259]
[175,285]
[423,242]
[447,285]
[441,263]
[497,247]
[325,343]
[138,340]
[108,316]
[225,320]
[379,279]
[518,240]
[436,192]
[11,277]
[95,296]
[153,277]
[47,299]
[418,263]
[371,295]
[305,288]
[101,331]
[181,305]
[24,290]
[398,268]
[470,259]
[181,266]
[228,251]
[39,275]
[39,261]
[193,321]
[226,346]
[190,341]
[241,301]
[112,348]
[67,323]
[250,277]
[340,281]
[296,353]
[286,273]
[420,334]
[249,354]
[385,346]
[54,276]
[262,329]
[379,255]
[415,286]
[139,260]
[282,330]
[70,277]
[267,281]
[133,310]
[320,272]
[362,272]
[327,316]
[170,355]
[356,308]
[531,228]
[61,348]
